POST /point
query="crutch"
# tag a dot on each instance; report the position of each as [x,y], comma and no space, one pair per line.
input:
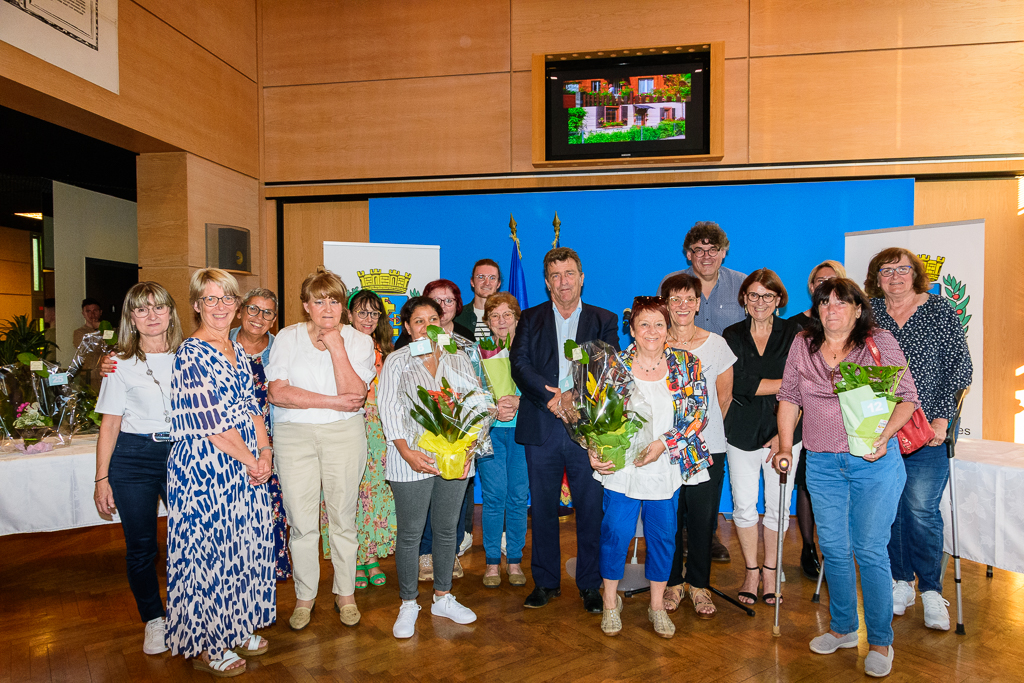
[784,464]
[817,589]
[951,433]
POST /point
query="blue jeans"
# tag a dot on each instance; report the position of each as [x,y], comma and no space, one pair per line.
[505,489]
[855,504]
[916,544]
[138,480]
[618,527]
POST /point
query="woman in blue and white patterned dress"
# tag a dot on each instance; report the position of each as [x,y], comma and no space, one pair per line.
[220,546]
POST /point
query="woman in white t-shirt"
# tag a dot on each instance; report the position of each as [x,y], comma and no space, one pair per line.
[673,385]
[319,373]
[134,441]
[699,501]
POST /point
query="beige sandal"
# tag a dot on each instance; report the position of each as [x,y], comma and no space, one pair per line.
[701,598]
[673,596]
[218,668]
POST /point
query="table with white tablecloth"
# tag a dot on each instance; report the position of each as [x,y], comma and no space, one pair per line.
[49,491]
[990,503]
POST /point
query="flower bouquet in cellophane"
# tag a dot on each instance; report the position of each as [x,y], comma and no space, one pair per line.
[604,412]
[497,367]
[453,422]
[867,397]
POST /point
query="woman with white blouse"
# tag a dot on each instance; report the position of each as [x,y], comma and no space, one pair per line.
[318,374]
[134,441]
[413,474]
[701,494]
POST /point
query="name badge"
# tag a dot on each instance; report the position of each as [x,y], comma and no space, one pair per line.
[421,347]
[35,365]
[443,340]
[565,384]
[57,379]
[108,334]
[577,354]
[876,406]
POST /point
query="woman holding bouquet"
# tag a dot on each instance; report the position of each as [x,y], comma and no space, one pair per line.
[761,343]
[855,498]
[503,477]
[932,337]
[319,371]
[413,473]
[701,494]
[672,383]
[220,564]
[135,441]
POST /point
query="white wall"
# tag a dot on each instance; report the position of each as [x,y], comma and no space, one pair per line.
[86,224]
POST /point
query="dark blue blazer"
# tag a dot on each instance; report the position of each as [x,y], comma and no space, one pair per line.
[534,356]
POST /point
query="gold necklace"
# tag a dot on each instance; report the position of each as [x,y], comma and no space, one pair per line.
[687,342]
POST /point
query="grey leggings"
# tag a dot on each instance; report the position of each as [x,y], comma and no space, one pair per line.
[443,498]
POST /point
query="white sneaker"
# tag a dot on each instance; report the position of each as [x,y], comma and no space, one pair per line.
[156,636]
[467,543]
[903,596]
[447,606]
[405,624]
[935,613]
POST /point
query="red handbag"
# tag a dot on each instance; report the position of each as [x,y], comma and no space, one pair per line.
[918,431]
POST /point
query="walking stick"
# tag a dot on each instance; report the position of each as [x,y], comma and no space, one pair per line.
[784,464]
[951,433]
[817,589]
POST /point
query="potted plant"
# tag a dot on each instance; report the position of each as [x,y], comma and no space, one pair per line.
[30,424]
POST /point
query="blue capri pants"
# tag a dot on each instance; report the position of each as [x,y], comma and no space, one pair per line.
[619,527]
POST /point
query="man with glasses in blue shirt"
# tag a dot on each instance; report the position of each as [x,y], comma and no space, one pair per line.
[706,246]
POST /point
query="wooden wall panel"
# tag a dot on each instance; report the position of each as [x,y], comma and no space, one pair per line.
[552,25]
[996,202]
[785,27]
[172,90]
[886,104]
[162,181]
[325,41]
[15,273]
[428,126]
[227,28]
[735,119]
[306,228]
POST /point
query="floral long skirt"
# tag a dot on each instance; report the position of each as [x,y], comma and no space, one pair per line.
[375,512]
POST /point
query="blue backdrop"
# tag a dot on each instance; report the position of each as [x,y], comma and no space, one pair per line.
[629,239]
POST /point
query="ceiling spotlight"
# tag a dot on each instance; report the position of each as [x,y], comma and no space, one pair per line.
[36,216]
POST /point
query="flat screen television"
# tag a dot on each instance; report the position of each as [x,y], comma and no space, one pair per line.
[623,106]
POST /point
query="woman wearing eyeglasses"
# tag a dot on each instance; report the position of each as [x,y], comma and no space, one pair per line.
[135,441]
[319,372]
[449,297]
[375,516]
[932,337]
[761,344]
[257,315]
[220,565]
[700,495]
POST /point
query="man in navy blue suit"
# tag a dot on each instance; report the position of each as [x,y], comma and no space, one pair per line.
[542,372]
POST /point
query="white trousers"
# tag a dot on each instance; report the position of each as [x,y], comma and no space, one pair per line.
[745,470]
[309,457]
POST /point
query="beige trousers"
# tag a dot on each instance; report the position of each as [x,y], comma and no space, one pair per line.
[309,457]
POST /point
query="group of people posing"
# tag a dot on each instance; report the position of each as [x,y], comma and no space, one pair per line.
[261,446]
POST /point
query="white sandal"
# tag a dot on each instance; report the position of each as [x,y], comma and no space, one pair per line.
[218,668]
[250,647]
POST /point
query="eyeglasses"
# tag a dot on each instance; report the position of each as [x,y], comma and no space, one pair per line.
[501,317]
[367,315]
[890,271]
[211,301]
[767,298]
[644,300]
[144,311]
[682,301]
[253,310]
[485,278]
[445,302]
[819,280]
[710,251]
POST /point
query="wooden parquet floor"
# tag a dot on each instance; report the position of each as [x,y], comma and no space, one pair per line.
[66,614]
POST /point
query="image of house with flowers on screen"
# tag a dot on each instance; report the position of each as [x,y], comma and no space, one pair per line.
[629,109]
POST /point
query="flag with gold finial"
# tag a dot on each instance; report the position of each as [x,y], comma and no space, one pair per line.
[558,228]
[516,275]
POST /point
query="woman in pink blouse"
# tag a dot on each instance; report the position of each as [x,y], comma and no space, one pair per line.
[855,498]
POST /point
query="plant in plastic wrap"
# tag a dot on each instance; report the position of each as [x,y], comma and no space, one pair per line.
[455,420]
[38,384]
[867,397]
[497,367]
[604,412]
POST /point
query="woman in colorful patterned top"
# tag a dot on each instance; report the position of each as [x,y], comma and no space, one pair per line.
[934,342]
[220,564]
[855,498]
[257,314]
[672,382]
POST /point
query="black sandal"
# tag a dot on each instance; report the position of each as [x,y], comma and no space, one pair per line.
[752,596]
[770,595]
